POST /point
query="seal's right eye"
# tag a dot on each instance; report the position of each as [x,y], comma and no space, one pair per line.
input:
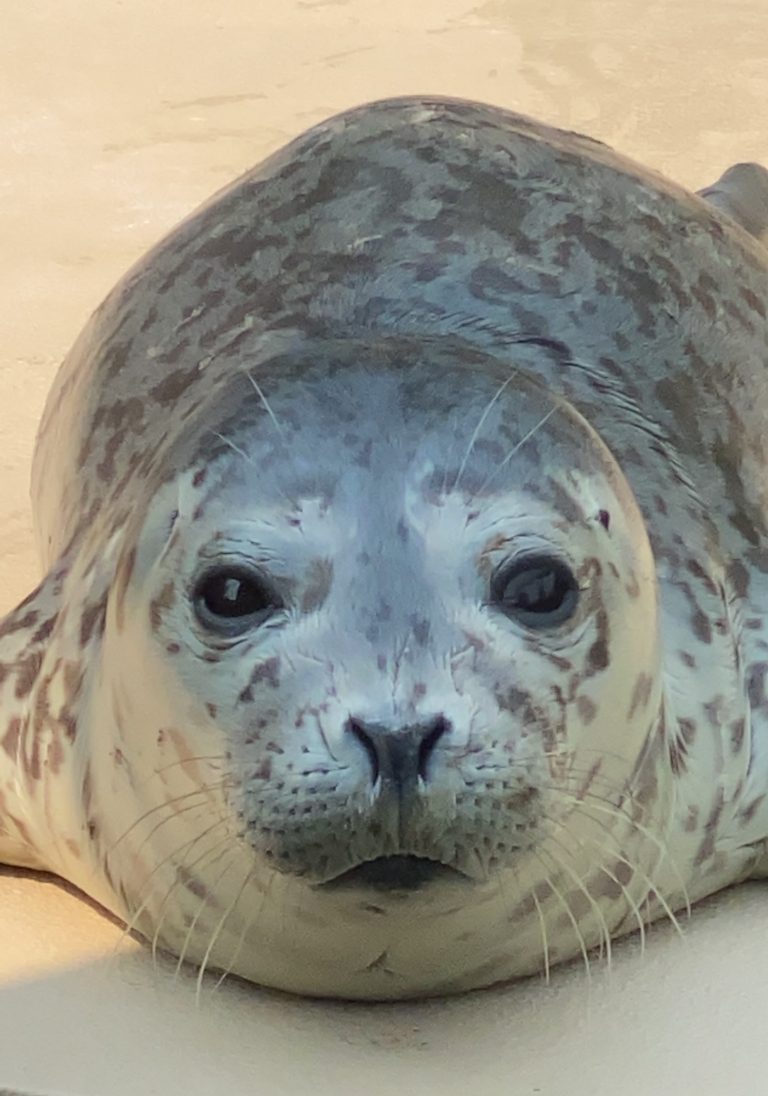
[232,599]
[539,591]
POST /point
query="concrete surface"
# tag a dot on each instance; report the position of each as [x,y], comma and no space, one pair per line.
[116,118]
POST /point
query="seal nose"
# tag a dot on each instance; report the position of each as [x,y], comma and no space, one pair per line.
[399,756]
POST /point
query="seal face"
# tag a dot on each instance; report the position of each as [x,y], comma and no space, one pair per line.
[403,516]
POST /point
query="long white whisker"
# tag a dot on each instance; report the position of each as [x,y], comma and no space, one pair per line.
[607,872]
[164,822]
[607,806]
[634,908]
[185,761]
[481,422]
[216,932]
[248,923]
[165,805]
[599,916]
[203,903]
[542,922]
[516,449]
[569,912]
[180,849]
[544,940]
[588,801]
[620,856]
[265,404]
[184,866]
[232,445]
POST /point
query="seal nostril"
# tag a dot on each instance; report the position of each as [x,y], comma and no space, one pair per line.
[439,728]
[357,728]
[401,755]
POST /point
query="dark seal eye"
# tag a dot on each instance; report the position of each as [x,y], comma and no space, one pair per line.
[232,599]
[538,591]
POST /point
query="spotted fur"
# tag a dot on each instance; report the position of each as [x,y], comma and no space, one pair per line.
[425,336]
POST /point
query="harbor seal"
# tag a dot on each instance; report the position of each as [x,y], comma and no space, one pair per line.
[403,517]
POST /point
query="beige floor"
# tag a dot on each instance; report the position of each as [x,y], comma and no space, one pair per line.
[118,116]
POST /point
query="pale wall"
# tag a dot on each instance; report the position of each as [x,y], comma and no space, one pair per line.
[116,119]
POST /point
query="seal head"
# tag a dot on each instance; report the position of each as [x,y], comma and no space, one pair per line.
[382,590]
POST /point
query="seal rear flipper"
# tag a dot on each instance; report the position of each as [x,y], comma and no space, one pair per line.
[32,741]
[742,193]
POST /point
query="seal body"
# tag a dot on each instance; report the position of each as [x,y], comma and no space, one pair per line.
[403,516]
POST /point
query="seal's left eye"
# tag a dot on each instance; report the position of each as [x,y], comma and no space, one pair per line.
[233,599]
[539,591]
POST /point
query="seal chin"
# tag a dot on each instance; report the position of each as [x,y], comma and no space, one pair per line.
[395,873]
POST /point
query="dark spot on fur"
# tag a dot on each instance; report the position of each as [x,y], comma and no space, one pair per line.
[597,657]
[27,670]
[701,627]
[10,740]
[92,620]
[160,604]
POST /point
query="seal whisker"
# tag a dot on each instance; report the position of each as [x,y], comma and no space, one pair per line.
[232,445]
[132,922]
[626,797]
[653,887]
[265,403]
[185,761]
[614,879]
[625,793]
[248,923]
[598,803]
[544,939]
[539,915]
[210,891]
[607,806]
[182,869]
[480,423]
[167,805]
[569,913]
[563,753]
[174,814]
[217,932]
[618,810]
[605,935]
[655,892]
[451,432]
[633,906]
[515,450]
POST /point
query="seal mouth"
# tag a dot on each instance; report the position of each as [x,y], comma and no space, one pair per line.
[394,873]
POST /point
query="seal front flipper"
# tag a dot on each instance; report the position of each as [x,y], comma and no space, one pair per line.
[37,729]
[742,193]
